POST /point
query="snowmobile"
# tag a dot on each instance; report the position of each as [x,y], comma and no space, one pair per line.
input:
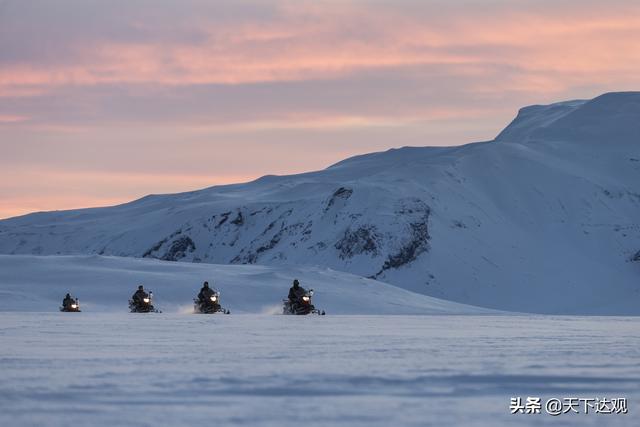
[74,307]
[210,306]
[143,306]
[302,306]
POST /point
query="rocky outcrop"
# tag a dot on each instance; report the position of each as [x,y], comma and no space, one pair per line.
[416,241]
[342,193]
[363,240]
[176,250]
[155,248]
[179,249]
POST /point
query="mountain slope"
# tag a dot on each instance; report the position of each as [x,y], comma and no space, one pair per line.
[545,218]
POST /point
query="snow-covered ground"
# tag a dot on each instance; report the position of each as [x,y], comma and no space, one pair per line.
[449,365]
[104,284]
[117,369]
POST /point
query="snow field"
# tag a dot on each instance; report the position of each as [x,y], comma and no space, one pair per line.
[105,369]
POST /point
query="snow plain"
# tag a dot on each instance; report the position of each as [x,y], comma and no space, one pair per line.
[117,369]
[107,367]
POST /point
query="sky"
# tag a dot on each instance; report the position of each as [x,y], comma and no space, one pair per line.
[102,102]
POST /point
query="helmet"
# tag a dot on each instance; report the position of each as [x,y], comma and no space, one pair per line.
[206,284]
[140,288]
[67,296]
[296,283]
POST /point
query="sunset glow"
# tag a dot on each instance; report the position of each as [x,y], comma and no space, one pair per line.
[103,102]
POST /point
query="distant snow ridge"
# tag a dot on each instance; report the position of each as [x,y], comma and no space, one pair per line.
[544,218]
[104,284]
[609,118]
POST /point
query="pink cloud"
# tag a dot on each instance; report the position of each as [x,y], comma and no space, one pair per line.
[311,42]
[5,118]
[414,67]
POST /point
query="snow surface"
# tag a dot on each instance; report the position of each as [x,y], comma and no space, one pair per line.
[116,369]
[543,219]
[104,284]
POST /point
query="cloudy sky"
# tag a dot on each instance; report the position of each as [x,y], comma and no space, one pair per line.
[105,101]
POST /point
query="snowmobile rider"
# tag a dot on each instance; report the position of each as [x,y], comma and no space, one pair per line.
[140,295]
[296,292]
[67,301]
[205,293]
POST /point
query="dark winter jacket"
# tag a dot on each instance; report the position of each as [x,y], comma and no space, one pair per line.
[67,301]
[205,294]
[139,296]
[296,294]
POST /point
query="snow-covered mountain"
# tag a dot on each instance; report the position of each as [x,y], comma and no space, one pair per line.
[545,218]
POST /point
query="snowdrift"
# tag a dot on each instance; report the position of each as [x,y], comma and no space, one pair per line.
[104,284]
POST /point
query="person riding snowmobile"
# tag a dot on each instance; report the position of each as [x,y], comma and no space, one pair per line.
[70,304]
[299,301]
[296,292]
[67,302]
[139,296]
[205,293]
[208,301]
[141,302]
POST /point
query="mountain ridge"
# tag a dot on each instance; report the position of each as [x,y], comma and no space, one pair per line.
[610,115]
